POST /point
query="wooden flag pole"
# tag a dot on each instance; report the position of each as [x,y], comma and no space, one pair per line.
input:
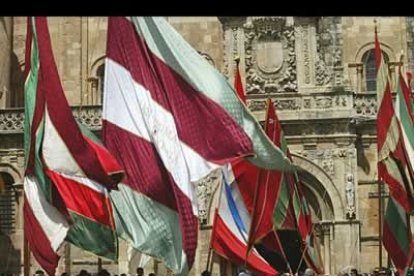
[26,251]
[379,204]
[380,223]
[210,256]
[279,243]
[26,258]
[99,264]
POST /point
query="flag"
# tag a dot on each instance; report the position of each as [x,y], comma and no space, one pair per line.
[404,112]
[410,259]
[311,252]
[231,223]
[285,209]
[178,119]
[394,167]
[272,192]
[67,171]
[238,85]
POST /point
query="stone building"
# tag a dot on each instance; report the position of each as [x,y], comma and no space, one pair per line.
[320,72]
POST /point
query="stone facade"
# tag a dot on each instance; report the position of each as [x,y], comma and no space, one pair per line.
[314,68]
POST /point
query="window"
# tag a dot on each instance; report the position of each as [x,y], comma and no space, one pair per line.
[100,73]
[370,70]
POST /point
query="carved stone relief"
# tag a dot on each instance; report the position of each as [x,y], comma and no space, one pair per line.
[323,74]
[290,104]
[11,121]
[365,104]
[350,196]
[230,53]
[280,104]
[256,105]
[205,189]
[325,157]
[270,56]
[324,102]
[329,48]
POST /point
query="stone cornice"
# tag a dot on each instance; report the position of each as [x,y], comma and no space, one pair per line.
[312,115]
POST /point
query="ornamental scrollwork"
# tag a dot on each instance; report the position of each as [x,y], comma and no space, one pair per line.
[205,189]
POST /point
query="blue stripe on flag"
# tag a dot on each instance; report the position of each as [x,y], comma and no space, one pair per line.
[233,208]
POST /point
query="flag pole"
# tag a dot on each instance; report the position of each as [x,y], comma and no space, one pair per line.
[283,252]
[99,264]
[379,203]
[26,250]
[208,257]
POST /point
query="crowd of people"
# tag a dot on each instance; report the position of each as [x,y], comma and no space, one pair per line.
[308,272]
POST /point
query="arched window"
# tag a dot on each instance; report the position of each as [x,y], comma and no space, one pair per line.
[370,71]
[100,73]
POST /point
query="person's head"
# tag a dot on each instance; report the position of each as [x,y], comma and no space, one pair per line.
[140,271]
[151,274]
[123,274]
[104,272]
[205,273]
[354,271]
[39,273]
[64,274]
[309,272]
[83,272]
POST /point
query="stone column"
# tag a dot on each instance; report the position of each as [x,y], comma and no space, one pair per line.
[233,46]
[359,70]
[346,245]
[123,257]
[326,250]
[305,46]
[6,40]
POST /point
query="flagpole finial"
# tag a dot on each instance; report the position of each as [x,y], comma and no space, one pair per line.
[237,60]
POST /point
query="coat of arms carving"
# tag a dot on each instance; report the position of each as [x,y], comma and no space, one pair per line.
[270,56]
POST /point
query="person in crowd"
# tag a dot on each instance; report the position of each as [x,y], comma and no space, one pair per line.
[354,272]
[205,273]
[244,273]
[309,272]
[39,273]
[104,272]
[151,274]
[140,271]
[83,272]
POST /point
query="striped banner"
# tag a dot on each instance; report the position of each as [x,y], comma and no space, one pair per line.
[170,118]
[394,166]
[67,171]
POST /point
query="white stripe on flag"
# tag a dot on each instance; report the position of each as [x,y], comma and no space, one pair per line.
[130,107]
[225,213]
[52,222]
[391,140]
[55,153]
[86,182]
